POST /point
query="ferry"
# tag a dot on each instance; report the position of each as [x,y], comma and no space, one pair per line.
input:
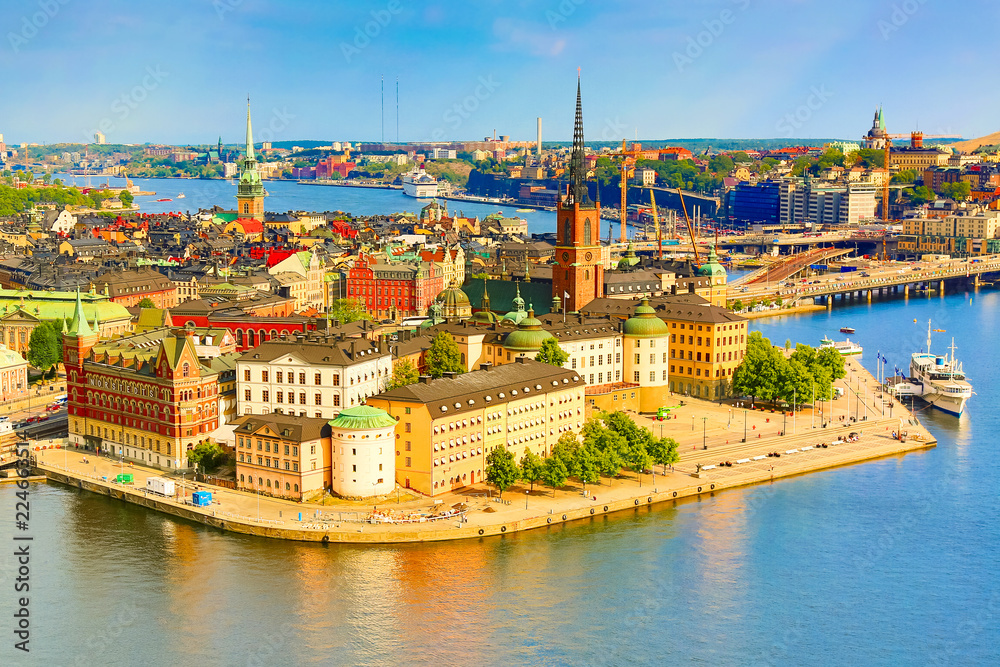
[848,348]
[847,330]
[418,183]
[940,380]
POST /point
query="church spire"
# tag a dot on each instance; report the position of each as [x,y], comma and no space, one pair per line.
[577,169]
[250,153]
[78,325]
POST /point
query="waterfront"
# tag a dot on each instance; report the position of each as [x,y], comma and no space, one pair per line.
[887,562]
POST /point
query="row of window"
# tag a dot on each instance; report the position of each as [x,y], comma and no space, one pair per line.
[260,483]
[719,372]
[267,462]
[720,357]
[279,376]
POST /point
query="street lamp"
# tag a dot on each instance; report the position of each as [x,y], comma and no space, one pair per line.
[745,425]
[704,437]
[525,499]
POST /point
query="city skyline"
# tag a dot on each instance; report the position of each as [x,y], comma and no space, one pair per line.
[181,74]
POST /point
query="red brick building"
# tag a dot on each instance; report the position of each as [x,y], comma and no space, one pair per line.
[394,290]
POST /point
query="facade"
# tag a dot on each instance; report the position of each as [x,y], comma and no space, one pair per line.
[395,290]
[282,455]
[578,272]
[305,272]
[316,376]
[707,343]
[755,203]
[13,376]
[130,287]
[18,308]
[447,427]
[146,397]
[363,452]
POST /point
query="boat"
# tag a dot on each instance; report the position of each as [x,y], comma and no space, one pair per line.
[848,348]
[418,183]
[181,196]
[525,210]
[847,330]
[165,199]
[940,380]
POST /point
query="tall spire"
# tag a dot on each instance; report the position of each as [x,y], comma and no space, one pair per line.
[577,171]
[250,152]
[78,325]
[485,305]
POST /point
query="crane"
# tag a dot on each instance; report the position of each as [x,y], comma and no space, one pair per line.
[628,159]
[916,141]
[656,225]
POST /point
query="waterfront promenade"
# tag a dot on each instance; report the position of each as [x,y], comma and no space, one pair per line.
[708,433]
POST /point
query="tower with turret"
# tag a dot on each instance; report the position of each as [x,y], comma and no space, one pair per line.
[250,190]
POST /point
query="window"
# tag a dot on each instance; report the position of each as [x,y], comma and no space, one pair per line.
[408,427]
[652,376]
[336,400]
[246,374]
[408,410]
[336,379]
[635,375]
[278,375]
[302,378]
[265,396]
[637,357]
[267,447]
[246,394]
[302,398]
[312,449]
[319,398]
[318,378]
[263,376]
[295,450]
[295,468]
[573,363]
[291,397]
[354,468]
[409,462]
[408,446]
[652,358]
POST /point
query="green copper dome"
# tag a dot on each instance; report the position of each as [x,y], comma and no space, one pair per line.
[712,267]
[644,323]
[529,335]
[362,417]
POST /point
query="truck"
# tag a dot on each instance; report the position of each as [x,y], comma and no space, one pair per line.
[125,478]
[161,486]
[201,498]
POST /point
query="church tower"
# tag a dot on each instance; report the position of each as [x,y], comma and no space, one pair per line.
[250,191]
[78,339]
[578,276]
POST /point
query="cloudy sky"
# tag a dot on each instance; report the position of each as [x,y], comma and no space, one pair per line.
[180,71]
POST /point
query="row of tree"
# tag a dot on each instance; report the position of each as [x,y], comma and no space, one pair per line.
[766,372]
[607,444]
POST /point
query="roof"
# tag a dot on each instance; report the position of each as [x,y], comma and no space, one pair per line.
[287,427]
[645,323]
[317,353]
[503,292]
[471,391]
[362,417]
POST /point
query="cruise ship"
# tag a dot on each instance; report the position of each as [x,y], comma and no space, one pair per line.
[939,380]
[847,348]
[418,183]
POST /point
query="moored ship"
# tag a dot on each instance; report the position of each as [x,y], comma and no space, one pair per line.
[418,183]
[940,380]
[846,347]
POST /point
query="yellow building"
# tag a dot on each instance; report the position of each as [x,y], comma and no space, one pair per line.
[447,427]
[706,344]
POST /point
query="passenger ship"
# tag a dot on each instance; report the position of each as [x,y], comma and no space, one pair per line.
[941,380]
[418,183]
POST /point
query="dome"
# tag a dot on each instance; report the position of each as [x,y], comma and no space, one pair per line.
[712,267]
[529,335]
[644,323]
[454,302]
[362,417]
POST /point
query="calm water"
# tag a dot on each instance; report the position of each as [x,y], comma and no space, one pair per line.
[886,563]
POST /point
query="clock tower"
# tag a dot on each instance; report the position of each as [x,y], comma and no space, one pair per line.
[250,191]
[578,275]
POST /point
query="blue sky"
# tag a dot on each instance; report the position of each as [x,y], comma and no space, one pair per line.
[180,71]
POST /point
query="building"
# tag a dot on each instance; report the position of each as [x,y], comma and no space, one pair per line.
[302,274]
[362,452]
[316,376]
[446,428]
[250,191]
[707,343]
[578,275]
[130,287]
[14,385]
[394,290]
[146,397]
[22,310]
[281,455]
[758,203]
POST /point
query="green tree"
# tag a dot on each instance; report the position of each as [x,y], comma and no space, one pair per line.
[664,452]
[919,195]
[551,353]
[207,455]
[501,469]
[554,472]
[146,302]
[444,356]
[959,191]
[587,466]
[737,305]
[44,350]
[403,373]
[637,458]
[348,310]
[720,163]
[870,157]
[905,176]
[126,198]
[531,468]
[757,375]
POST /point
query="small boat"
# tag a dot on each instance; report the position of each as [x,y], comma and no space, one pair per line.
[847,348]
[165,199]
[847,330]
[940,330]
[525,210]
[181,196]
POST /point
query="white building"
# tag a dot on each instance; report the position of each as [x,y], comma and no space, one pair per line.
[363,452]
[315,377]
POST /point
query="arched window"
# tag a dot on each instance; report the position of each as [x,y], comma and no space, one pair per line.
[239,337]
[296,488]
[567,232]
[185,370]
[287,486]
[586,232]
[251,338]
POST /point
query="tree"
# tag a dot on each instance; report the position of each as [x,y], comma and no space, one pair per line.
[403,373]
[554,472]
[959,191]
[870,157]
[126,198]
[501,470]
[587,466]
[348,310]
[444,356]
[905,176]
[737,306]
[637,458]
[43,347]
[720,163]
[757,375]
[664,452]
[207,455]
[531,468]
[551,353]
[919,195]
[146,302]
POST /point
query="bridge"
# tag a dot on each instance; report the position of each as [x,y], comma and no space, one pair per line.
[793,264]
[877,280]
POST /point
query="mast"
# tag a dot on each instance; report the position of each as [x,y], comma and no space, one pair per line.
[928,336]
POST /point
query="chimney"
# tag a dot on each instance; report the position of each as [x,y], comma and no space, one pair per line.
[520,360]
[425,379]
[485,367]
[450,375]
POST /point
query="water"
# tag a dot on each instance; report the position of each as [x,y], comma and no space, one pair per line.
[289,195]
[889,562]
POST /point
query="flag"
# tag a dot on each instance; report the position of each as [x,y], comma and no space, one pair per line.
[565,295]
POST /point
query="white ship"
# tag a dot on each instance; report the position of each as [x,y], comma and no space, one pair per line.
[846,347]
[418,183]
[940,380]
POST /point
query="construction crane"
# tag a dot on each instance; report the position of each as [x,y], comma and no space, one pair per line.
[916,141]
[656,225]
[628,159]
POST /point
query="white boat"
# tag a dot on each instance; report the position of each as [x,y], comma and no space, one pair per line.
[418,183]
[940,380]
[180,196]
[846,347]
